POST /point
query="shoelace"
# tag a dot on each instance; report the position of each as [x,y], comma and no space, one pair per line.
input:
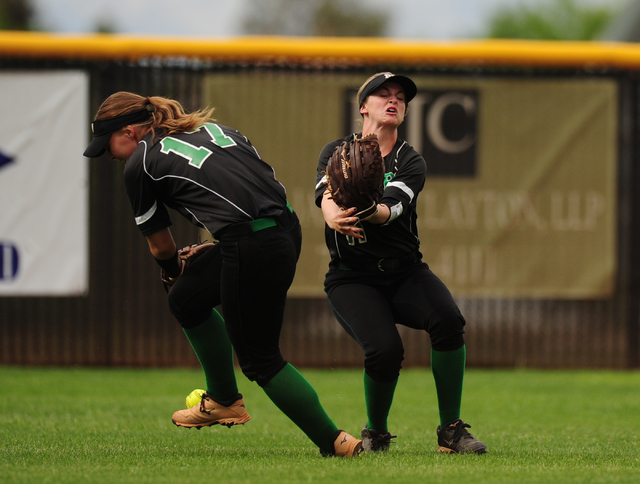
[202,407]
[381,440]
[461,432]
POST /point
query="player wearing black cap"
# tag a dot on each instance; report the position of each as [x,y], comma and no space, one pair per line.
[377,279]
[213,176]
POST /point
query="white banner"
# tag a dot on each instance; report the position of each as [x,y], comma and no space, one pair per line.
[43,183]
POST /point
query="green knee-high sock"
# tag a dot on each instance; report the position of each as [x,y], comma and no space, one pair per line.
[448,373]
[211,344]
[297,399]
[378,397]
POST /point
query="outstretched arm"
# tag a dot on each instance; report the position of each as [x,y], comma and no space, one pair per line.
[342,221]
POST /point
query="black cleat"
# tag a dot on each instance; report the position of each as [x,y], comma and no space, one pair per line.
[454,438]
[374,441]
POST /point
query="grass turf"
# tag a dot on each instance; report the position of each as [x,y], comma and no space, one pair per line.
[114,425]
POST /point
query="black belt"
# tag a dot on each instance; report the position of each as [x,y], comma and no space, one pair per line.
[244,229]
[383,265]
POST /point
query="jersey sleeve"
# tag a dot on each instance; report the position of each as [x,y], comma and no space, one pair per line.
[151,215]
[402,189]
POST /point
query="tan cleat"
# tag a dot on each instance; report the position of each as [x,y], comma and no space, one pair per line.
[209,412]
[346,445]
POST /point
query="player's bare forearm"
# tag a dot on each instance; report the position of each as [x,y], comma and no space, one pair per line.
[161,244]
[342,221]
[381,216]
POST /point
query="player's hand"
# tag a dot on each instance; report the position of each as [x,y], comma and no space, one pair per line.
[342,221]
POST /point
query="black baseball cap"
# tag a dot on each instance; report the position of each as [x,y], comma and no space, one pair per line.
[104,128]
[409,87]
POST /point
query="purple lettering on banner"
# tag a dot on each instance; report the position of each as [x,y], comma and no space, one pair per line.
[9,261]
[4,159]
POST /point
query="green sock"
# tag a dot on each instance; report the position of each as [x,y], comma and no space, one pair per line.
[378,397]
[297,399]
[448,372]
[212,346]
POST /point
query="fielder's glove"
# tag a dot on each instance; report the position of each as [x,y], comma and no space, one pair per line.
[187,255]
[355,175]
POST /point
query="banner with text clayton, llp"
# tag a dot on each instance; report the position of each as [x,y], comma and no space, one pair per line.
[43,183]
[531,211]
[520,198]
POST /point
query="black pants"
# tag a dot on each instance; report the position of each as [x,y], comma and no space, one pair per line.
[368,305]
[249,274]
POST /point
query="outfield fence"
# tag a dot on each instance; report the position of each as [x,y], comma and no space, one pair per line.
[123,319]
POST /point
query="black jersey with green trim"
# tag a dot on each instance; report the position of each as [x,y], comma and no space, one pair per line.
[213,176]
[405,173]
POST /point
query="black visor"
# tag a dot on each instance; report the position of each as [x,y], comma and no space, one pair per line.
[103,128]
[409,87]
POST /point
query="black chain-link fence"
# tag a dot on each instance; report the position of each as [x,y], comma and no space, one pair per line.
[124,320]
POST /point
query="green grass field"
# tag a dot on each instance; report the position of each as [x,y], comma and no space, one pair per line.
[114,426]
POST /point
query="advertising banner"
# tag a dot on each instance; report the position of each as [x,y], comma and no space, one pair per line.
[520,196]
[43,183]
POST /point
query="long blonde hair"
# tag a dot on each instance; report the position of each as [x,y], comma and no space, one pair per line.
[365,84]
[168,115]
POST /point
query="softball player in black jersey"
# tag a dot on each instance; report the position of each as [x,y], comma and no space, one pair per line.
[214,177]
[377,278]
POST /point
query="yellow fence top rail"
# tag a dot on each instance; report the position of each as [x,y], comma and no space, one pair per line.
[349,51]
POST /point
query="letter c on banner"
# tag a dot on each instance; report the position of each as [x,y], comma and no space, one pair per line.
[8,261]
[434,123]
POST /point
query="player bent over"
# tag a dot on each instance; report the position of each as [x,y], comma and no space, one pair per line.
[377,279]
[213,176]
